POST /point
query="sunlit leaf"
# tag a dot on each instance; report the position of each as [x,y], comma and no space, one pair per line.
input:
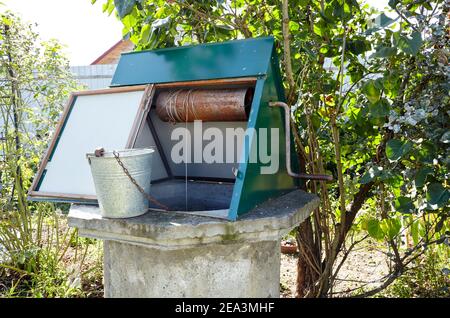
[374,229]
[145,33]
[294,26]
[371,91]
[391,227]
[318,30]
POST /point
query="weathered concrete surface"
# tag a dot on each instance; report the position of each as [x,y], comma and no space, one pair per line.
[176,230]
[165,254]
[222,270]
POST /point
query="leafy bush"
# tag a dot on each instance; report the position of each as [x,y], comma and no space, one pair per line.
[430,277]
[39,255]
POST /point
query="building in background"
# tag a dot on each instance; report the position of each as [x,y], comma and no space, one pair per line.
[99,74]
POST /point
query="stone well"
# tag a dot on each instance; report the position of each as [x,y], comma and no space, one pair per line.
[169,254]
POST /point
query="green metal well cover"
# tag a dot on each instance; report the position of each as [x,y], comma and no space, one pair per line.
[240,58]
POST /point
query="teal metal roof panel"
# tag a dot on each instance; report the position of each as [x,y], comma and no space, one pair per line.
[252,187]
[239,58]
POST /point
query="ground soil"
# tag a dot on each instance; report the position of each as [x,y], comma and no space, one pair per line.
[363,268]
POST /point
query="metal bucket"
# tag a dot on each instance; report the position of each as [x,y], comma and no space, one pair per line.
[117,196]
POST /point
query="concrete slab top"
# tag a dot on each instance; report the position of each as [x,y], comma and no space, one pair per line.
[172,230]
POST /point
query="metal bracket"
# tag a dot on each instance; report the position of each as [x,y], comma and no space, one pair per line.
[287,117]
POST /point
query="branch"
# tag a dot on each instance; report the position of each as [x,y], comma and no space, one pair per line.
[341,70]
[207,17]
[287,48]
[406,20]
[383,286]
[353,86]
[344,258]
[358,201]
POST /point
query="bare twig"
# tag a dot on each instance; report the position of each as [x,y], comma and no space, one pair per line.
[346,254]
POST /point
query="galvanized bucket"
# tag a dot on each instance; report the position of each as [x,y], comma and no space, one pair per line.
[117,196]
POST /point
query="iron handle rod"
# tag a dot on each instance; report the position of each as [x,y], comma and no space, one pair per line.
[287,117]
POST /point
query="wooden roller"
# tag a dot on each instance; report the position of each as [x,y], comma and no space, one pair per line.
[187,105]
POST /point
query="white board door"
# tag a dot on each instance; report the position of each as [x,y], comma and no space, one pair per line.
[107,119]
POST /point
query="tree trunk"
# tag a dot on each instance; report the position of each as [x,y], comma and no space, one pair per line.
[306,275]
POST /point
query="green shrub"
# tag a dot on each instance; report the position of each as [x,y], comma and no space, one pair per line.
[428,278]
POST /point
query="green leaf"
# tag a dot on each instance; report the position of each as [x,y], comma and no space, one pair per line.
[109,7]
[421,176]
[317,30]
[374,229]
[404,205]
[370,175]
[391,227]
[294,26]
[124,7]
[427,152]
[224,27]
[303,3]
[371,91]
[384,51]
[338,10]
[396,149]
[6,21]
[437,195]
[391,84]
[391,178]
[130,20]
[380,109]
[383,20]
[393,3]
[414,230]
[446,137]
[145,34]
[357,47]
[408,45]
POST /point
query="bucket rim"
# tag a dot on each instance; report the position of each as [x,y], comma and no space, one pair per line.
[125,153]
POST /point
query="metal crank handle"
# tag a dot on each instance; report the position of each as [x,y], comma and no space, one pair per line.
[287,117]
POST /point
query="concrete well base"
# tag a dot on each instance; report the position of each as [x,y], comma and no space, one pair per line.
[166,254]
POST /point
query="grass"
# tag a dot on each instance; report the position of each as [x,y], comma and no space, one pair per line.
[55,263]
